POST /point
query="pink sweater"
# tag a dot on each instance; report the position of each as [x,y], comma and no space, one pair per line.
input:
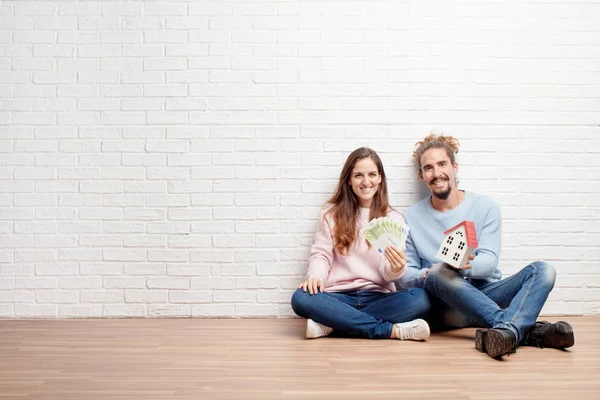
[361,269]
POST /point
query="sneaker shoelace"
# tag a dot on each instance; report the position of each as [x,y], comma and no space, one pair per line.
[407,332]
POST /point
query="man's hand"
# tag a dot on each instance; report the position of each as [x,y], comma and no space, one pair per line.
[314,286]
[468,265]
[396,257]
[424,276]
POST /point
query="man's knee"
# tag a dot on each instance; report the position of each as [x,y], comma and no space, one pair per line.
[441,274]
[546,271]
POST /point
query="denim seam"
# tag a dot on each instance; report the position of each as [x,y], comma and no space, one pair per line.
[502,282]
[522,303]
[533,278]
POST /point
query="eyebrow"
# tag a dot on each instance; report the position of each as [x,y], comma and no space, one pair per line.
[437,163]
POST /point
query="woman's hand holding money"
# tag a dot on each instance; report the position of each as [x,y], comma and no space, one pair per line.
[396,257]
[314,285]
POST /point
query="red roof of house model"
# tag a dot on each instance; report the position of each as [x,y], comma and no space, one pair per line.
[471,234]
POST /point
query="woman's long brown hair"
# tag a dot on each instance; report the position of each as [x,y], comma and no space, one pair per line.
[345,208]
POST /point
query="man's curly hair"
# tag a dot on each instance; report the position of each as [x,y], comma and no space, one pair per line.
[433,141]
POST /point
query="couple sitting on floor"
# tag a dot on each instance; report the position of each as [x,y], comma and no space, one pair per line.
[351,290]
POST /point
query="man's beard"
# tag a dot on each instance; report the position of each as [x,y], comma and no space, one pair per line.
[442,194]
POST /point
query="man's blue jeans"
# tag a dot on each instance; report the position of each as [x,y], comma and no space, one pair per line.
[366,314]
[513,303]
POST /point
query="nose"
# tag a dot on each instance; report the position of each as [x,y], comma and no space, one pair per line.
[437,172]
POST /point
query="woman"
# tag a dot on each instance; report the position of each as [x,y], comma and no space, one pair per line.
[349,286]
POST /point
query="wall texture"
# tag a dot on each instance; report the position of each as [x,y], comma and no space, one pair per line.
[165,158]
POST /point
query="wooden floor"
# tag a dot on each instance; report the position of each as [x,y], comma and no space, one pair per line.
[270,359]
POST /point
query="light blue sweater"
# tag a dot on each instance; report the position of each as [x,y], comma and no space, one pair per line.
[427,227]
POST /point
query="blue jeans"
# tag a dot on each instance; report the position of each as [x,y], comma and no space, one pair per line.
[513,303]
[366,314]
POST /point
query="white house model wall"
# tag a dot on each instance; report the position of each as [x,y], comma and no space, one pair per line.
[458,243]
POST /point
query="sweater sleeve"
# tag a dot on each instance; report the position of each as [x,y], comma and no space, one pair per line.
[487,253]
[321,251]
[414,275]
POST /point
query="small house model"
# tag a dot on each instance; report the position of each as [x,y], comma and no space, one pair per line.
[459,242]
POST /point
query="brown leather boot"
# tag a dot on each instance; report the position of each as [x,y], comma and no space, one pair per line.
[495,342]
[558,335]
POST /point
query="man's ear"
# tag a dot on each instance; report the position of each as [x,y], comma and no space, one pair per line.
[420,175]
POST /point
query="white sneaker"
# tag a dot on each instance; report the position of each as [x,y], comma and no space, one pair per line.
[417,329]
[315,330]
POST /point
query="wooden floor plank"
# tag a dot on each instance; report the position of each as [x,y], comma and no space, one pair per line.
[270,359]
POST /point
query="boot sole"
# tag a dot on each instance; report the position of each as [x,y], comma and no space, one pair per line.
[480,340]
[494,344]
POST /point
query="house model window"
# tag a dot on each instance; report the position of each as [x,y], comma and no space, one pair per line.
[459,241]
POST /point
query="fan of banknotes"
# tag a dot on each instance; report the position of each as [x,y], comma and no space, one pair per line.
[382,232]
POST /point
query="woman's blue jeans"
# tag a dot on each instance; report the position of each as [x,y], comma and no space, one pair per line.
[366,314]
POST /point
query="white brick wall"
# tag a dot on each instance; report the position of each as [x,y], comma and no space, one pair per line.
[168,158]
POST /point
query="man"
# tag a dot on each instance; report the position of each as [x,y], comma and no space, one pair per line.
[475,295]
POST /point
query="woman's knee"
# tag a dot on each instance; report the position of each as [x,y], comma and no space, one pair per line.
[297,300]
[302,302]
